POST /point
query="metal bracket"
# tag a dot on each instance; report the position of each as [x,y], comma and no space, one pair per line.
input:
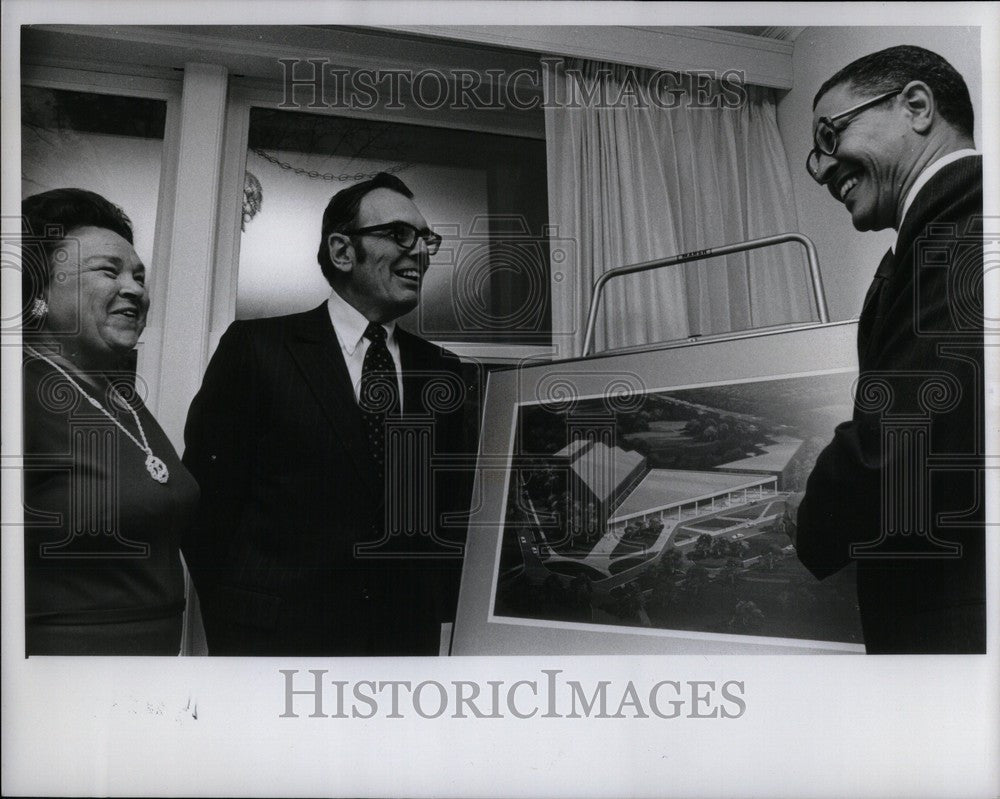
[700,255]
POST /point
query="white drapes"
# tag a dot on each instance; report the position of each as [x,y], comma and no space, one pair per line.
[629,184]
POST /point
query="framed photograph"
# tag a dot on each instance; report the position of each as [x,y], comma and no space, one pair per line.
[637,501]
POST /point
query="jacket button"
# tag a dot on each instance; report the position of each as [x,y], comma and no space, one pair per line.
[365,594]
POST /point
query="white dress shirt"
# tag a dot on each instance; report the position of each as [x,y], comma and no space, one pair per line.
[921,181]
[349,325]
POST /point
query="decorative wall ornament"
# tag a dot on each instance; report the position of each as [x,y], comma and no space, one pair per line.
[253,198]
[313,174]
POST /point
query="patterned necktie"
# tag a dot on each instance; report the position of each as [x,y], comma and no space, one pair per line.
[379,395]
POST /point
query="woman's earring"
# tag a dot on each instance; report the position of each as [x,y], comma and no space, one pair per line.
[39,308]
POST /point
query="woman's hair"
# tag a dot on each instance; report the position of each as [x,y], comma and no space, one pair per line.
[47,219]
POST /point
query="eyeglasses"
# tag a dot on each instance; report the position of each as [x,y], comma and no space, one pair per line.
[826,135]
[404,234]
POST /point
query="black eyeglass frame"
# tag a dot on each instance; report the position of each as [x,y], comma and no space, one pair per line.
[825,124]
[392,230]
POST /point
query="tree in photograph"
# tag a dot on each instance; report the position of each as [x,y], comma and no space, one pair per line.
[730,572]
[554,592]
[628,599]
[737,549]
[733,453]
[663,595]
[672,561]
[803,596]
[746,618]
[703,546]
[585,525]
[786,524]
[642,610]
[720,548]
[552,479]
[574,522]
[692,428]
[655,575]
[695,582]
[581,591]
[633,423]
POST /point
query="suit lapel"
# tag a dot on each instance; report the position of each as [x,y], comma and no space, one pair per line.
[952,184]
[313,346]
[871,311]
[931,202]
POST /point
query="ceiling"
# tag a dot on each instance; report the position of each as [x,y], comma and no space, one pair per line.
[765,31]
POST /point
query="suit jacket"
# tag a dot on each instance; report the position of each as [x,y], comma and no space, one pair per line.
[911,458]
[290,554]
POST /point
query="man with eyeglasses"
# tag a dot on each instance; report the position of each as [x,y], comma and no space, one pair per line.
[316,439]
[899,490]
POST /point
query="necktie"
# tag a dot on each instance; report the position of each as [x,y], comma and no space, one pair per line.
[871,309]
[379,395]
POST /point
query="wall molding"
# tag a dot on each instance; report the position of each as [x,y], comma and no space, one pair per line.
[254,51]
[765,62]
[186,294]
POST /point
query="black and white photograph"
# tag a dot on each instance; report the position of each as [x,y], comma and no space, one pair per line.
[673,514]
[507,398]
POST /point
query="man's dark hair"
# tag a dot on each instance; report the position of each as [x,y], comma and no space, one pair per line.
[47,219]
[342,212]
[894,67]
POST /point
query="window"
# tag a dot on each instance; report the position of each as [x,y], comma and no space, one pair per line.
[484,193]
[106,143]
[115,135]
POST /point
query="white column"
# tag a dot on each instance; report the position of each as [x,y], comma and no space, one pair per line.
[187,295]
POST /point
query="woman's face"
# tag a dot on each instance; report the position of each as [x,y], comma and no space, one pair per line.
[96,295]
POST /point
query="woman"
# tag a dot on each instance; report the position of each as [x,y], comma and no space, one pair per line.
[106,497]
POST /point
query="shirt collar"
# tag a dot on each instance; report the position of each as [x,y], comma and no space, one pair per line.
[350,324]
[925,176]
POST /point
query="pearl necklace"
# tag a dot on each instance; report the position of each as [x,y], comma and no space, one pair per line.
[155,466]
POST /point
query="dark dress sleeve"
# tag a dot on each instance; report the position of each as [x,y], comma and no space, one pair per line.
[102,569]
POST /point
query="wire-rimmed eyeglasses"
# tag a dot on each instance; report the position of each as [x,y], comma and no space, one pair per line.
[403,233]
[826,135]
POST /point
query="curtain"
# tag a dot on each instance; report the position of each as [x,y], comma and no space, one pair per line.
[632,181]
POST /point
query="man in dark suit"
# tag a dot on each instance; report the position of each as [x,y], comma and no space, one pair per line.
[899,491]
[316,438]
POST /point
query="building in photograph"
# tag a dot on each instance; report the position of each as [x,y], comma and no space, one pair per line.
[645,511]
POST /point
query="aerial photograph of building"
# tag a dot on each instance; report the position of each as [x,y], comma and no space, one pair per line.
[673,515]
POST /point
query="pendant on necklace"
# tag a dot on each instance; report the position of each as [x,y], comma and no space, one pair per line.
[157,468]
